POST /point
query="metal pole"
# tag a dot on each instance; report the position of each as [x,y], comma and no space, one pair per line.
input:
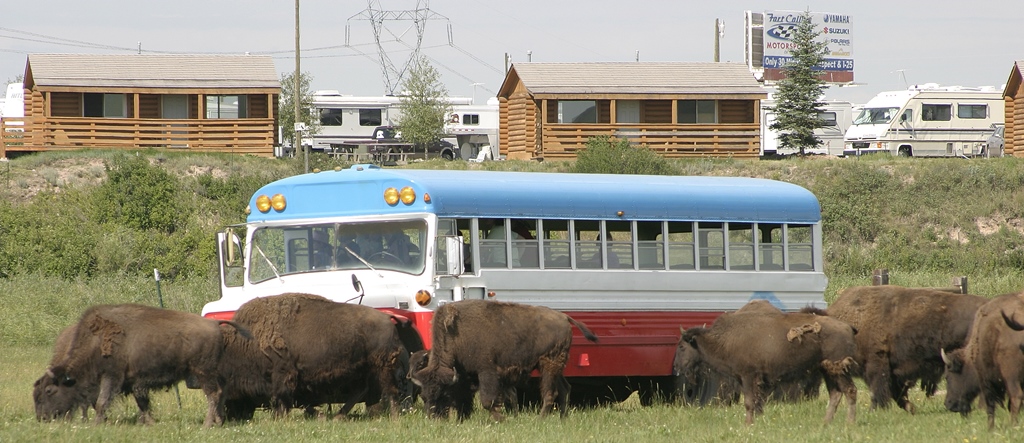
[296,96]
[717,32]
[160,298]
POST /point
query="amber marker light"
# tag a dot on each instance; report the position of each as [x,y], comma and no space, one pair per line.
[391,196]
[491,294]
[426,198]
[422,297]
[277,202]
[408,195]
[263,203]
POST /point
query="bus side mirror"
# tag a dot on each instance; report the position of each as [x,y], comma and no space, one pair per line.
[453,255]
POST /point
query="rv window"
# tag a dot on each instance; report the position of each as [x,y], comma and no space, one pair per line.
[471,119]
[827,118]
[330,117]
[971,111]
[936,113]
[369,117]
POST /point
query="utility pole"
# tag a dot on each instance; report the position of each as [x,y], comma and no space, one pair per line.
[295,92]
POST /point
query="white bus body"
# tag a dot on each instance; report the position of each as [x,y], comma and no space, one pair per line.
[927,121]
[837,115]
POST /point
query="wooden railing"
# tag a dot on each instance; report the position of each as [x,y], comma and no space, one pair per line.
[243,136]
[672,141]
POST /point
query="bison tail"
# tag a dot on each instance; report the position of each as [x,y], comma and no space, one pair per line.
[814,310]
[242,330]
[1011,322]
[843,366]
[583,328]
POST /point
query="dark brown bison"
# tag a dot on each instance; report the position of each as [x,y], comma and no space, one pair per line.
[713,387]
[901,332]
[132,349]
[492,347]
[991,364]
[309,351]
[763,351]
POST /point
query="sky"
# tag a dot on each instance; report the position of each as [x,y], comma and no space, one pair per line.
[894,44]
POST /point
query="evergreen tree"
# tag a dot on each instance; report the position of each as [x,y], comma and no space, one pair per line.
[425,105]
[797,95]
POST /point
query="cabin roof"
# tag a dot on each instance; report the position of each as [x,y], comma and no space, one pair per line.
[152,71]
[633,78]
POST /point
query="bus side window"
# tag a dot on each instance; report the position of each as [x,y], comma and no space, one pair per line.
[619,240]
[556,244]
[492,243]
[741,246]
[801,248]
[588,244]
[651,245]
[524,243]
[769,238]
[681,244]
[711,241]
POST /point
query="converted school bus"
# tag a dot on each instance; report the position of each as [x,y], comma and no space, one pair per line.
[550,110]
[205,103]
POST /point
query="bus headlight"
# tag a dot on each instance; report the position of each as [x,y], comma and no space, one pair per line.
[391,196]
[263,203]
[277,202]
[408,195]
[423,297]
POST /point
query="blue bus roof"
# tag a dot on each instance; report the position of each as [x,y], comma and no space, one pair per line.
[359,190]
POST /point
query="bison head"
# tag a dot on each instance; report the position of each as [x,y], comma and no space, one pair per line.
[56,396]
[962,385]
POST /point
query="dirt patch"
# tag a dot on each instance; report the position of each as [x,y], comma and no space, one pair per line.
[53,177]
[991,225]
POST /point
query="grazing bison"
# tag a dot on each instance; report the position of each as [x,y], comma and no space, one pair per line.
[132,349]
[763,351]
[493,346]
[308,351]
[991,364]
[901,332]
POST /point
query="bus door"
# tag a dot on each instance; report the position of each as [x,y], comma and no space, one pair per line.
[232,262]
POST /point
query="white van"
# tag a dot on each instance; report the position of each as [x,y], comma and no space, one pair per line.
[926,121]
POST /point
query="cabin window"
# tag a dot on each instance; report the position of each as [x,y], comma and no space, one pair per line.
[471,119]
[577,111]
[627,111]
[104,105]
[698,111]
[936,113]
[226,106]
[370,117]
[972,111]
[331,117]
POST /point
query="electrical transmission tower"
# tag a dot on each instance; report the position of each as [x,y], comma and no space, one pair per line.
[380,20]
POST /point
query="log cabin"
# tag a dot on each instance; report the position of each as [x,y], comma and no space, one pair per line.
[1013,115]
[202,103]
[677,109]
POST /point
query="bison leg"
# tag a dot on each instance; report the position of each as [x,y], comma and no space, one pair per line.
[877,374]
[142,400]
[839,382]
[490,394]
[751,396]
[563,395]
[109,386]
[214,401]
[351,401]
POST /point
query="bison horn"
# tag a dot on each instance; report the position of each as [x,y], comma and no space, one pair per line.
[945,358]
[49,373]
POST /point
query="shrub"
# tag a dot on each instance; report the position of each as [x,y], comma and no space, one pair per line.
[139,195]
[603,155]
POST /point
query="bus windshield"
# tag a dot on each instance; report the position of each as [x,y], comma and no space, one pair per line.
[380,245]
[875,116]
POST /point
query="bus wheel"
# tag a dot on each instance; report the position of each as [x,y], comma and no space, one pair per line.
[904,152]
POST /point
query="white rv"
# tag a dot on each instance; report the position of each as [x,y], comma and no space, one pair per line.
[366,126]
[927,121]
[12,114]
[475,128]
[837,116]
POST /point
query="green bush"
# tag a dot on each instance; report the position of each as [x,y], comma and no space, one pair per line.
[139,195]
[603,155]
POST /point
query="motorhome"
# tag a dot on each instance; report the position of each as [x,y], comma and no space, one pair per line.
[12,116]
[367,127]
[836,115]
[475,128]
[927,121]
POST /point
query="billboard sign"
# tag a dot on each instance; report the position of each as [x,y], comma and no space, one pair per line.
[776,37]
